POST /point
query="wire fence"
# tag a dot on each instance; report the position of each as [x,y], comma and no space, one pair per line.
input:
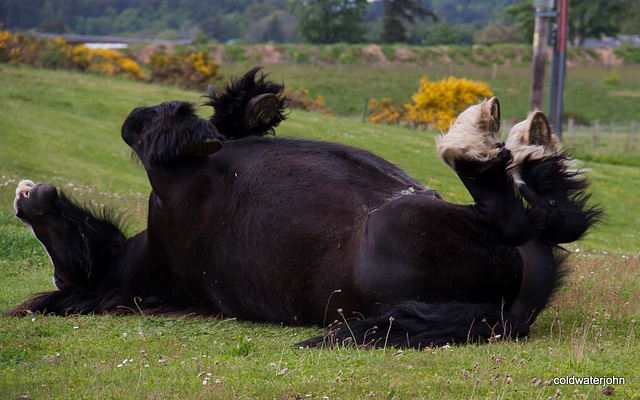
[610,137]
[603,136]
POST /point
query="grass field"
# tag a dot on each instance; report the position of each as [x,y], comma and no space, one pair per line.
[63,128]
[589,94]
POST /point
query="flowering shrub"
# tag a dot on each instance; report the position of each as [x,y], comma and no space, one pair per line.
[385,112]
[105,61]
[57,53]
[298,99]
[194,70]
[437,104]
[9,47]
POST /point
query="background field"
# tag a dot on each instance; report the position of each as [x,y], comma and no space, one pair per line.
[63,128]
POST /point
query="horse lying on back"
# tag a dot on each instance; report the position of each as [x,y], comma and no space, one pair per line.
[262,228]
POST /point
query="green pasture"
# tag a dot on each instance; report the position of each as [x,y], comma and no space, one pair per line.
[64,128]
[593,92]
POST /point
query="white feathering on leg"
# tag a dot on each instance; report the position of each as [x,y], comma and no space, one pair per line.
[474,135]
[519,143]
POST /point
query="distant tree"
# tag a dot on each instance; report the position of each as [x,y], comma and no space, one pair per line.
[267,23]
[396,13]
[279,27]
[595,17]
[630,17]
[47,12]
[259,10]
[497,33]
[330,21]
[53,26]
[223,27]
[524,15]
[586,18]
[442,33]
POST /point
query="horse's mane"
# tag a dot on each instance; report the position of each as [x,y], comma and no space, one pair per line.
[103,213]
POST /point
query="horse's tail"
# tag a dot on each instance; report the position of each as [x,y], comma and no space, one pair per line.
[416,324]
[248,106]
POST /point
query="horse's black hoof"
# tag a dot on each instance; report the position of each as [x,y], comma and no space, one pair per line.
[261,110]
[539,130]
[203,149]
[494,124]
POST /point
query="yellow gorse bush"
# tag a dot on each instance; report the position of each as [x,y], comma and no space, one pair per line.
[194,70]
[201,63]
[436,105]
[5,37]
[9,50]
[105,61]
[298,99]
[385,112]
[58,53]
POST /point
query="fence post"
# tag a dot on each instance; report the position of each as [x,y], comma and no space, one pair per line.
[570,122]
[365,109]
[596,128]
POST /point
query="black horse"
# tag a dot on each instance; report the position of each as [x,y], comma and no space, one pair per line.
[246,225]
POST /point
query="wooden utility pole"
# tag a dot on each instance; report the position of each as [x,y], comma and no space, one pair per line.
[538,63]
[561,55]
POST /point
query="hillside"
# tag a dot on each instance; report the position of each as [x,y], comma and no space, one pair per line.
[425,56]
[150,18]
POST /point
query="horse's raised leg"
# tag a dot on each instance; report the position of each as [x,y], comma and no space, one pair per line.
[472,149]
[557,201]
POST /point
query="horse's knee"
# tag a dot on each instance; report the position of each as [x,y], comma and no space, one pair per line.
[540,275]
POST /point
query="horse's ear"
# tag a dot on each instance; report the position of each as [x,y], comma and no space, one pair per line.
[207,143]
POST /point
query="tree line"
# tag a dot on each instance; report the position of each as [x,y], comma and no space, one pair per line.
[418,22]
